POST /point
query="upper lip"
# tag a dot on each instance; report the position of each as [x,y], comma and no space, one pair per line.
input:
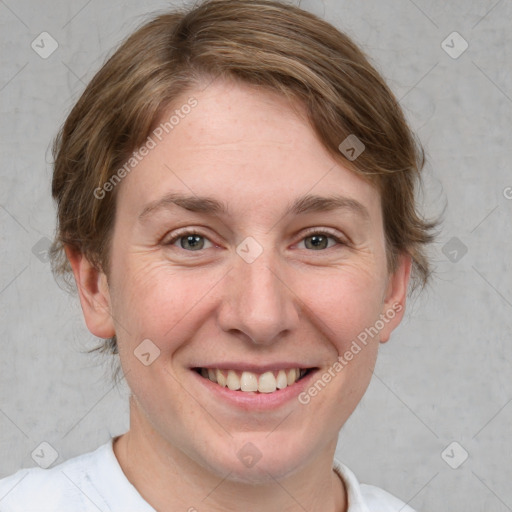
[255,368]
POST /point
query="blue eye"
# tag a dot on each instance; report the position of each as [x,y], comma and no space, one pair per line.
[190,241]
[319,240]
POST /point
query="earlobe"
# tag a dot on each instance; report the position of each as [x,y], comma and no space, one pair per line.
[396,295]
[94,294]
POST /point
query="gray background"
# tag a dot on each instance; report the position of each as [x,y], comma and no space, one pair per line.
[446,374]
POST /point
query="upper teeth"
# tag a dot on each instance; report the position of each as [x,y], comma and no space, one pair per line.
[266,382]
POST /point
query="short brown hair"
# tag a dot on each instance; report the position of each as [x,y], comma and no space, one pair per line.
[261,42]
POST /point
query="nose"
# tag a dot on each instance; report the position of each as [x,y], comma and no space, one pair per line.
[258,302]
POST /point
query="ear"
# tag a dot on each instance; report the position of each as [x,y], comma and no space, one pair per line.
[393,308]
[94,294]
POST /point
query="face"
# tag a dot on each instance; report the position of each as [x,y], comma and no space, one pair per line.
[268,258]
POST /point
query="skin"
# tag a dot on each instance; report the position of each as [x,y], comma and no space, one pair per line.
[252,150]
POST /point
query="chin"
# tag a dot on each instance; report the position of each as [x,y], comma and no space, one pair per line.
[256,458]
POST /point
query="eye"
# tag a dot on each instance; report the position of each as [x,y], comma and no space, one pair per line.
[193,241]
[319,240]
[190,241]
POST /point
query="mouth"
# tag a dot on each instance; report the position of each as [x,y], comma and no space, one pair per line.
[246,381]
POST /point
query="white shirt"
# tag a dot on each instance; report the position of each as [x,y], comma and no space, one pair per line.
[95,482]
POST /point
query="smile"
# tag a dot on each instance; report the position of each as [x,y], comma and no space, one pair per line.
[247,381]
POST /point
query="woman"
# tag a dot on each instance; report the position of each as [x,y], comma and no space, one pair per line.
[235,193]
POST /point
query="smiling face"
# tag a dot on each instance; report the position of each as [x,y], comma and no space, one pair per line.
[240,244]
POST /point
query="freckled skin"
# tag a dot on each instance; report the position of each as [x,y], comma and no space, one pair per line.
[250,150]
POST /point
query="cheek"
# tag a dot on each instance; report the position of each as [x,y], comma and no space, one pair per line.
[157,301]
[346,302]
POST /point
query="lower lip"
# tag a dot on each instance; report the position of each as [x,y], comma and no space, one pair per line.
[253,401]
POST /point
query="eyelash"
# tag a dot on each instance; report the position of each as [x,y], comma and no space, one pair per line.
[324,231]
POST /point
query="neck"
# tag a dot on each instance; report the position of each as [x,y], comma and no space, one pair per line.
[168,479]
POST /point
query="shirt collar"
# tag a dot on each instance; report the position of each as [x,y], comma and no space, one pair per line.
[355,500]
[113,485]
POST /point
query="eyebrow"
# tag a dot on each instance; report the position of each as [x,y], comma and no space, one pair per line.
[210,206]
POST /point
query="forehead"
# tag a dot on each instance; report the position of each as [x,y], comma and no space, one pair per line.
[244,144]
